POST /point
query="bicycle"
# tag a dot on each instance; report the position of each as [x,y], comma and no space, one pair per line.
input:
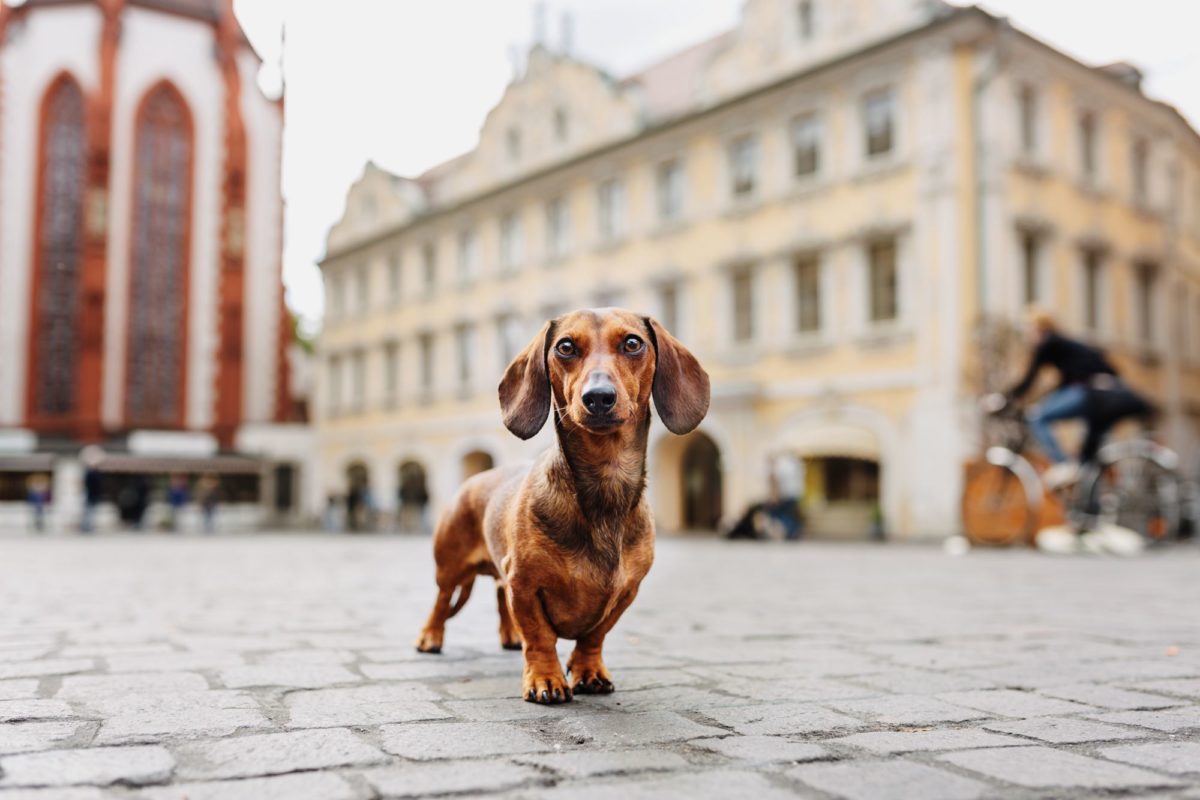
[1133,483]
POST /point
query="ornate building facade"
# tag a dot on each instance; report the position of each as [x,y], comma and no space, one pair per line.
[823,203]
[140,242]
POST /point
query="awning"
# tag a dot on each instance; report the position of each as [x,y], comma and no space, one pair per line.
[835,439]
[27,462]
[225,465]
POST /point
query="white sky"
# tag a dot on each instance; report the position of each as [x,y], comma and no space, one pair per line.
[408,82]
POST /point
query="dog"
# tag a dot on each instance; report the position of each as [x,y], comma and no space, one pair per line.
[569,537]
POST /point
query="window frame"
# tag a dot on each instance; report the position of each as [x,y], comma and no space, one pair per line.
[887,96]
[895,307]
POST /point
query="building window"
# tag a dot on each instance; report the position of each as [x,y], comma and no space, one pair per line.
[1031,267]
[464,339]
[743,165]
[508,329]
[358,380]
[512,141]
[154,374]
[511,244]
[362,288]
[558,228]
[335,385]
[1146,282]
[391,373]
[806,145]
[742,296]
[394,278]
[1139,161]
[59,245]
[1027,116]
[879,113]
[610,210]
[807,273]
[425,354]
[429,265]
[883,289]
[804,20]
[1092,277]
[668,306]
[562,128]
[1087,145]
[670,190]
[468,255]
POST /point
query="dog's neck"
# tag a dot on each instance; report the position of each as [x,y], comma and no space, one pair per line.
[608,471]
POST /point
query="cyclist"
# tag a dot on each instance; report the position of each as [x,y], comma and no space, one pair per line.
[1089,389]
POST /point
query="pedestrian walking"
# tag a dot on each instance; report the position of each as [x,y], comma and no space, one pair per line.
[38,492]
[177,497]
[90,456]
[208,492]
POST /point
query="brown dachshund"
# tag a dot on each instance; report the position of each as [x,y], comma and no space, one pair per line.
[570,537]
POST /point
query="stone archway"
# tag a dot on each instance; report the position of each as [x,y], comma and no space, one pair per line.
[358,496]
[475,462]
[701,490]
[413,496]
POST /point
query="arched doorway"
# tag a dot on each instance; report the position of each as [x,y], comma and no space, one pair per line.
[413,496]
[842,497]
[359,503]
[475,462]
[700,473]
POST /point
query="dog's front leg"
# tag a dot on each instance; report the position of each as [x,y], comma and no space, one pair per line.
[586,663]
[544,681]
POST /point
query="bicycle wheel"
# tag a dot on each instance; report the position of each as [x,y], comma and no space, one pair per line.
[1137,493]
[995,510]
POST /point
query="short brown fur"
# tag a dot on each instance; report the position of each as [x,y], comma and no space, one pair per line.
[570,537]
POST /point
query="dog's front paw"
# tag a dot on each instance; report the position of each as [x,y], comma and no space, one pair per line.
[590,676]
[430,641]
[545,686]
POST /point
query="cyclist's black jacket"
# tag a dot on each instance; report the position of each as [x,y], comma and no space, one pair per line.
[1076,362]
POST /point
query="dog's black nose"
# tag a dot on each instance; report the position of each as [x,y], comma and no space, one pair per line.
[600,399]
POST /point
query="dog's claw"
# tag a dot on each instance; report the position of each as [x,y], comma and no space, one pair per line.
[545,696]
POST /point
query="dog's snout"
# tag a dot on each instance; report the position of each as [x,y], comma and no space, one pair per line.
[599,394]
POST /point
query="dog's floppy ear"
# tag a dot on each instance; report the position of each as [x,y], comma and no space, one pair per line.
[680,389]
[525,388]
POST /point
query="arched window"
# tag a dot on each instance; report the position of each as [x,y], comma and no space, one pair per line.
[156,363]
[58,253]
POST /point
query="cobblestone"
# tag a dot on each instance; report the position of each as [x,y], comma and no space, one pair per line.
[275,754]
[1044,768]
[887,780]
[100,766]
[282,668]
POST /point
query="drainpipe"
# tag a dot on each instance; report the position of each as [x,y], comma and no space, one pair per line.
[995,65]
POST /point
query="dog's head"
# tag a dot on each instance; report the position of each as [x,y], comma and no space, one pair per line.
[601,367]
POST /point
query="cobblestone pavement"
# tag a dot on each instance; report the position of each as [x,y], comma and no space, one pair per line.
[282,668]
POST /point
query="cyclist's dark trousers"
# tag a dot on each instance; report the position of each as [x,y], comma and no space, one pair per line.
[1105,408]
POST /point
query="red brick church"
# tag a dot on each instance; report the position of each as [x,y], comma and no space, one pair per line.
[142,307]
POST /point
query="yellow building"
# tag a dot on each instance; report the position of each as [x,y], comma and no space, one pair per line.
[822,203]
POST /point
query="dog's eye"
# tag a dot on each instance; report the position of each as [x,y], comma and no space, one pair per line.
[565,348]
[632,344]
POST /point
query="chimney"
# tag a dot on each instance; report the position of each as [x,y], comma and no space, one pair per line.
[567,37]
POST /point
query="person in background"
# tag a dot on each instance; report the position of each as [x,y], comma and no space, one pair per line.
[331,521]
[140,489]
[38,491]
[177,497]
[90,456]
[208,494]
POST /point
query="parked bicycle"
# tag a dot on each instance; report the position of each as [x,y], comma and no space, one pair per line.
[1134,483]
